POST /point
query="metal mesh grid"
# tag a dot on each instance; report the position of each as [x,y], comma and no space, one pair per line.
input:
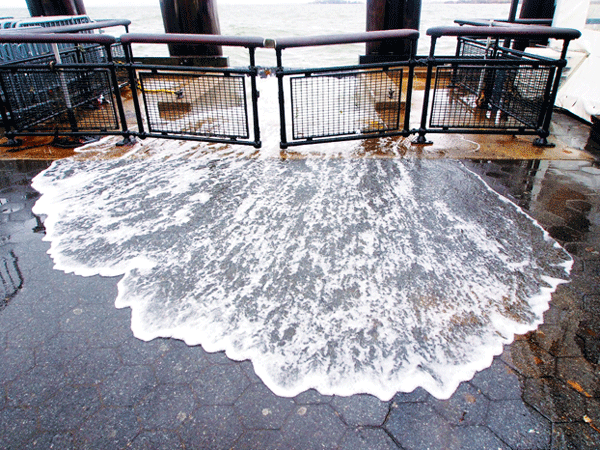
[482,97]
[195,104]
[65,99]
[346,103]
[481,49]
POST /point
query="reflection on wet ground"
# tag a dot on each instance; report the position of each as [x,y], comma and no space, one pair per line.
[73,376]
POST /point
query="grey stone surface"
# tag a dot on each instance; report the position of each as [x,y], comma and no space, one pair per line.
[367,439]
[468,406]
[259,408]
[519,425]
[361,410]
[313,427]
[73,376]
[499,382]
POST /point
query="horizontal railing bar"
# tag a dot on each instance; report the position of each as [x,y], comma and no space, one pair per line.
[199,69]
[468,62]
[532,31]
[98,24]
[179,38]
[504,22]
[357,68]
[350,38]
[20,37]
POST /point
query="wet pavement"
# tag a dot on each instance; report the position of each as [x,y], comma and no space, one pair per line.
[73,376]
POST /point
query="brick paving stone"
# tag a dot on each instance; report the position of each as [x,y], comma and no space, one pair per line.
[312,397]
[93,366]
[418,395]
[218,358]
[554,400]
[580,375]
[367,439]
[69,408]
[416,426]
[220,384]
[529,359]
[261,439]
[467,406]
[60,350]
[32,332]
[475,438]
[17,425]
[51,441]
[259,408]
[520,426]
[498,382]
[211,427]
[84,319]
[593,410]
[156,440]
[35,386]
[136,352]
[108,428]
[575,436]
[180,364]
[313,427]
[128,385]
[361,410]
[15,362]
[249,371]
[112,332]
[166,407]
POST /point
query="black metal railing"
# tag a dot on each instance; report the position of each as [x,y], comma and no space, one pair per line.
[488,87]
[198,103]
[485,87]
[49,97]
[350,102]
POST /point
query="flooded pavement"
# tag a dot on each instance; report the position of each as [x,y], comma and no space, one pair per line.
[73,375]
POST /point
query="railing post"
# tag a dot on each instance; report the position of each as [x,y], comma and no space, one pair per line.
[255,94]
[133,86]
[117,92]
[409,89]
[430,63]
[279,72]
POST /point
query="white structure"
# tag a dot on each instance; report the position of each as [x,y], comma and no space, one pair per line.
[580,92]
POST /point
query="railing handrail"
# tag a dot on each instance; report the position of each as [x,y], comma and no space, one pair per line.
[98,24]
[504,22]
[180,38]
[21,37]
[532,31]
[349,38]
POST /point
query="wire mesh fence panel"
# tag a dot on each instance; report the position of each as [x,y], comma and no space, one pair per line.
[211,105]
[59,99]
[476,48]
[489,97]
[346,103]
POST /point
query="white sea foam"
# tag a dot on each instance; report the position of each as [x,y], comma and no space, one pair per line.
[347,275]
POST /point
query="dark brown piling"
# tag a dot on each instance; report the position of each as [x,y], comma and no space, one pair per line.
[191,17]
[391,15]
[55,7]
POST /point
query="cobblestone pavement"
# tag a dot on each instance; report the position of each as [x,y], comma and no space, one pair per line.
[73,376]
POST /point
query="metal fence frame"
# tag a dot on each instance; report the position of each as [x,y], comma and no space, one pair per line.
[501,57]
[144,120]
[341,72]
[493,56]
